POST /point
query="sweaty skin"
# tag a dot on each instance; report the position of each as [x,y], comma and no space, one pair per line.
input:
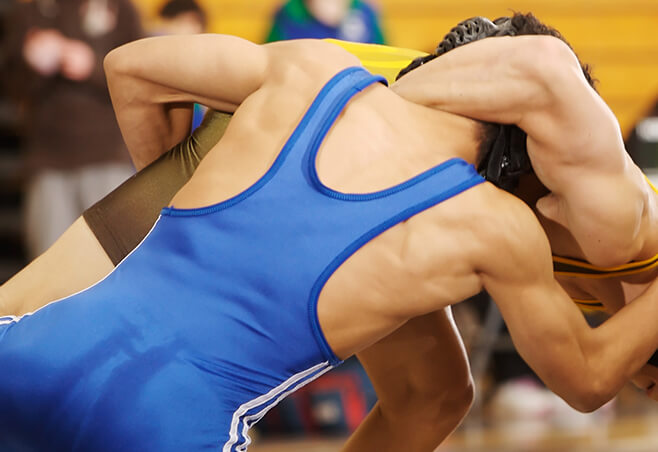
[600,207]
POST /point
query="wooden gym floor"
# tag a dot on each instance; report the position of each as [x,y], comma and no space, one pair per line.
[631,427]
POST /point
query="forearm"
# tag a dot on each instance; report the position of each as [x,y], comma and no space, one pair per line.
[153,83]
[149,124]
[587,367]
[495,79]
[123,218]
[640,339]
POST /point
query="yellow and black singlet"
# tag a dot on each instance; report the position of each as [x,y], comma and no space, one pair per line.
[564,266]
[577,268]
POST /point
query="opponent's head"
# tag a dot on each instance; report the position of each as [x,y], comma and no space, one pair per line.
[503,156]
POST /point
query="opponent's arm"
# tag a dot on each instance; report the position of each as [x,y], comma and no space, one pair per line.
[421,375]
[574,140]
[584,366]
[153,83]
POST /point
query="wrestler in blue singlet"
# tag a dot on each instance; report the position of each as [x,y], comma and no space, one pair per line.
[210,321]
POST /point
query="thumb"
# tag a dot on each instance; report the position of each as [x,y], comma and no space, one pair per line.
[550,207]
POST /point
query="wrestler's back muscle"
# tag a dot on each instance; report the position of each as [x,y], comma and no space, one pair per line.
[359,155]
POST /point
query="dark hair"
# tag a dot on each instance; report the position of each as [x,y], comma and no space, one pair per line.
[174,8]
[503,156]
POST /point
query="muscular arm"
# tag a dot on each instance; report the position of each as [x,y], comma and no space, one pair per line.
[423,384]
[153,102]
[584,366]
[574,140]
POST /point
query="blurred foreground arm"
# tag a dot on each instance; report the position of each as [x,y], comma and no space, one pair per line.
[154,82]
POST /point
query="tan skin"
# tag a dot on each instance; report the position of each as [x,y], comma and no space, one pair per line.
[600,207]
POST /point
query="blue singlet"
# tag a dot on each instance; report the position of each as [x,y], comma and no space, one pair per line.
[212,319]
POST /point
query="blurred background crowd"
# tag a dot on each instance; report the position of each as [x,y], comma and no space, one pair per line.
[61,150]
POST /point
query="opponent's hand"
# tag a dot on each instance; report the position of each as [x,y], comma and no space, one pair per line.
[42,51]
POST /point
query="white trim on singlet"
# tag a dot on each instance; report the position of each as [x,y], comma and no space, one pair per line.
[8,319]
[276,394]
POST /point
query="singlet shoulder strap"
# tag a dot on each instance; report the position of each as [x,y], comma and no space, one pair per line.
[322,113]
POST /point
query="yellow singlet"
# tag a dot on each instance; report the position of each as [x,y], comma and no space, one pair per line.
[381,60]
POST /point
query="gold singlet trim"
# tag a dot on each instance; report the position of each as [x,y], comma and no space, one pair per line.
[589,305]
[382,60]
[564,266]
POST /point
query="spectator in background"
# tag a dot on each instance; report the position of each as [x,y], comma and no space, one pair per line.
[642,143]
[349,20]
[74,153]
[182,17]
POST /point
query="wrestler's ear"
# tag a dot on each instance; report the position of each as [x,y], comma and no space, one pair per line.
[551,208]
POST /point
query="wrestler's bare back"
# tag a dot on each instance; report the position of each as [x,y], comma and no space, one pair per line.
[379,141]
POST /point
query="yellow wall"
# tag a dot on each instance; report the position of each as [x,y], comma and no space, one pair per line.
[619,38]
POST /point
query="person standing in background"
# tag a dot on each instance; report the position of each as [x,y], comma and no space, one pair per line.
[73,150]
[348,20]
[183,17]
[642,143]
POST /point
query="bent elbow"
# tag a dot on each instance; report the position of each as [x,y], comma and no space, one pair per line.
[114,63]
[447,409]
[120,60]
[110,61]
[591,395]
[548,61]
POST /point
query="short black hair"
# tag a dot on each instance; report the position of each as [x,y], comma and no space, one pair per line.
[174,8]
